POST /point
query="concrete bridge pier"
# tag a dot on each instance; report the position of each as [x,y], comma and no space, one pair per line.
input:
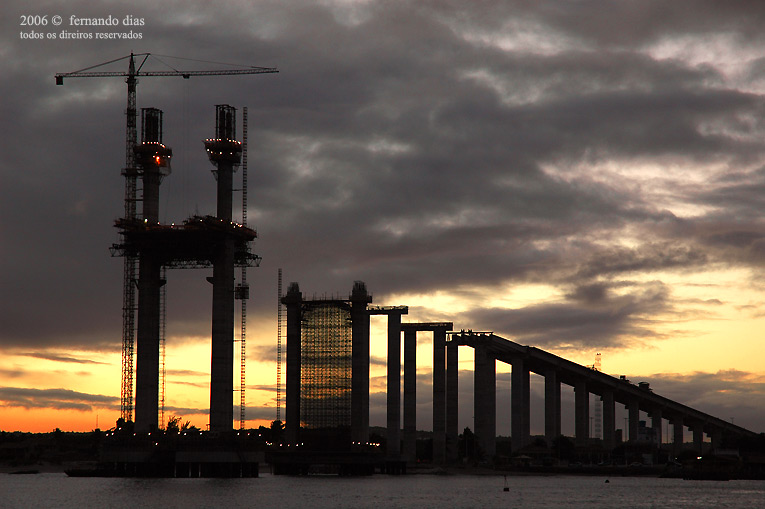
[698,436]
[293,302]
[656,425]
[716,435]
[633,411]
[394,386]
[520,405]
[552,406]
[581,413]
[360,363]
[439,395]
[609,419]
[677,429]
[452,399]
[485,401]
[410,394]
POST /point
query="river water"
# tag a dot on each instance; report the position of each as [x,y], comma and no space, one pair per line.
[379,491]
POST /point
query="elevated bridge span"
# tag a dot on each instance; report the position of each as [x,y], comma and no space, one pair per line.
[556,370]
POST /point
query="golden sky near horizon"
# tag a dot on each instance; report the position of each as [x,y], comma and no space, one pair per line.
[570,177]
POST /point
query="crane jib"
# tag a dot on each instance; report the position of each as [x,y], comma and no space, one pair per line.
[184,74]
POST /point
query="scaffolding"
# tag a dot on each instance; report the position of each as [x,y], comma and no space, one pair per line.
[162,345]
[325,376]
[279,336]
[243,288]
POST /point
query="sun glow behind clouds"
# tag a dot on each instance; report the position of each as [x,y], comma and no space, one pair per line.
[724,51]
[662,185]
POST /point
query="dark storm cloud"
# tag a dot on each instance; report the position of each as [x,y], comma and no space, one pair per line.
[263,353]
[58,399]
[591,317]
[648,258]
[400,144]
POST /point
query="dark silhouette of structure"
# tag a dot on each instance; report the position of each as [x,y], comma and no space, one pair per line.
[327,364]
[131,172]
[303,336]
[200,242]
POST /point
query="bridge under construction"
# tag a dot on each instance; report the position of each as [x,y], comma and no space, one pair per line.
[489,349]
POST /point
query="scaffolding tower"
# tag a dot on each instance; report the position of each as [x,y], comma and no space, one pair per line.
[162,346]
[279,337]
[325,381]
[243,289]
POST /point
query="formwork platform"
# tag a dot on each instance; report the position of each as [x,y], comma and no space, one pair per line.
[194,244]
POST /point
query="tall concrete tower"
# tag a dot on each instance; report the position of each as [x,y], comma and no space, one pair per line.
[294,303]
[226,154]
[153,160]
[360,298]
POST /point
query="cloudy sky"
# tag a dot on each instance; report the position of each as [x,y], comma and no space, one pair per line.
[581,176]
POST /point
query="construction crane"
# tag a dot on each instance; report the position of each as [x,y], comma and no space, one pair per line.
[130,172]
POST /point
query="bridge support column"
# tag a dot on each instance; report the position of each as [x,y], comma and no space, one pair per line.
[293,302]
[485,401]
[360,363]
[552,406]
[147,344]
[698,436]
[452,399]
[410,394]
[633,410]
[716,436]
[581,413]
[656,425]
[439,395]
[609,420]
[394,386]
[519,405]
[677,429]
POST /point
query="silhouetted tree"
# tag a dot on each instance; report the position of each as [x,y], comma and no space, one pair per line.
[173,424]
[468,446]
[277,431]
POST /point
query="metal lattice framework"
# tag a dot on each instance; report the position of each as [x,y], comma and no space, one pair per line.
[279,328]
[325,380]
[244,289]
[162,345]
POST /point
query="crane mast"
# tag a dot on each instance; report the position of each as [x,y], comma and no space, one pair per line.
[130,172]
[245,287]
[130,262]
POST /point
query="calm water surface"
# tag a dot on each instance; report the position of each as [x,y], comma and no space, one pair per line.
[420,491]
